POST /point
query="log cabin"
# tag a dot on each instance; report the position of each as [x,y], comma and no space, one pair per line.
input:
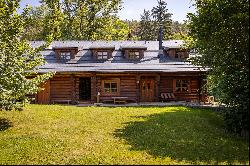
[137,71]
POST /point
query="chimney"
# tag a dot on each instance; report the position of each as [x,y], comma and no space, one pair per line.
[160,41]
[160,38]
[160,29]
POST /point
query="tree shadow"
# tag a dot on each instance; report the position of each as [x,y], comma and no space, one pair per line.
[5,124]
[193,135]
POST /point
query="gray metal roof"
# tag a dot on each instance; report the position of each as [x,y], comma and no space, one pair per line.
[85,62]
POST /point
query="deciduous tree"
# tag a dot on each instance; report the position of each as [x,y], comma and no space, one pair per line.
[18,60]
[220,30]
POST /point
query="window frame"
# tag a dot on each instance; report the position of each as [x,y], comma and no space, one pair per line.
[181,86]
[64,57]
[133,52]
[110,81]
[101,54]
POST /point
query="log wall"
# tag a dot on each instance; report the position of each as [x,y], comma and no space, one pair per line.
[127,87]
[61,88]
[167,85]
[66,86]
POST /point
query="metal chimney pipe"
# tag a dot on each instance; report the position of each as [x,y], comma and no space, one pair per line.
[160,28]
[160,37]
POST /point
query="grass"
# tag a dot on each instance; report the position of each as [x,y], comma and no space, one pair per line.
[43,134]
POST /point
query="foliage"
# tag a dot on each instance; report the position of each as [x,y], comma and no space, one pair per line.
[18,59]
[147,29]
[115,29]
[162,18]
[152,21]
[35,23]
[69,135]
[53,20]
[134,29]
[179,31]
[220,32]
[77,20]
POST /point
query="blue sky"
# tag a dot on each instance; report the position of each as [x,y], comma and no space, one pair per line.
[132,9]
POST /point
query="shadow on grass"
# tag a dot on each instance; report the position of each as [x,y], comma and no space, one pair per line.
[5,124]
[193,135]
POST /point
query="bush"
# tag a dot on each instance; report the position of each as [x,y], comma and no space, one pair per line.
[236,119]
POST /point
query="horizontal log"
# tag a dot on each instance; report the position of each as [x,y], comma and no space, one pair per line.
[61,95]
[61,82]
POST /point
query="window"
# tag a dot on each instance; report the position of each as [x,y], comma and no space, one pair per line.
[65,55]
[102,55]
[181,54]
[182,86]
[111,87]
[133,55]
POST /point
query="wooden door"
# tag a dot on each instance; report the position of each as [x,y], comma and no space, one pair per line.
[43,97]
[147,91]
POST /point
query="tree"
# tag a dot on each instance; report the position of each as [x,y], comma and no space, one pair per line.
[34,29]
[179,31]
[77,20]
[220,31]
[162,18]
[134,29]
[114,29]
[155,23]
[53,20]
[18,60]
[147,28]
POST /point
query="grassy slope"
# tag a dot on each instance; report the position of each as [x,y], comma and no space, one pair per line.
[97,135]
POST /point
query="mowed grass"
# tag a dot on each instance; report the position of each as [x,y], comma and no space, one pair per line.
[53,134]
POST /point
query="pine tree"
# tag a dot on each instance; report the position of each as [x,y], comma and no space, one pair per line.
[147,29]
[162,19]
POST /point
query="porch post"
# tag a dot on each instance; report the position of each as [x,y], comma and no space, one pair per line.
[93,89]
[73,82]
[138,88]
[157,88]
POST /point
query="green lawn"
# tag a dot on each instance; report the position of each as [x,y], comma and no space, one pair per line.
[43,134]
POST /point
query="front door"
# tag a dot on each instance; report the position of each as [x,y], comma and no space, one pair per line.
[85,89]
[43,97]
[147,91]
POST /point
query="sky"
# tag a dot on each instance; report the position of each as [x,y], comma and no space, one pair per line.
[132,9]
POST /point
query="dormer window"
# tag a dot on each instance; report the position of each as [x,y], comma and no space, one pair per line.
[65,55]
[177,53]
[102,54]
[133,52]
[133,55]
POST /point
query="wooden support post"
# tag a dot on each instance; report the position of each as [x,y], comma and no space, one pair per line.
[93,89]
[137,88]
[157,87]
[73,97]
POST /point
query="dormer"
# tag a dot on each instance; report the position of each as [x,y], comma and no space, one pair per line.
[177,53]
[133,52]
[65,53]
[102,52]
